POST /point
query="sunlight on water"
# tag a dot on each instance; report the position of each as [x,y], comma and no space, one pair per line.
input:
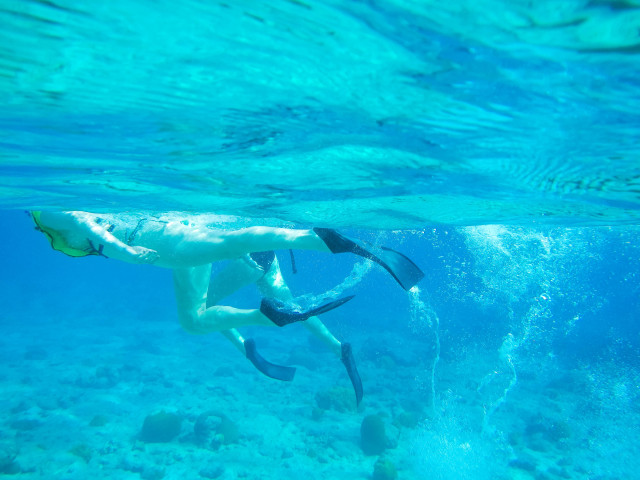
[538,279]
[450,448]
[424,319]
[357,274]
[522,269]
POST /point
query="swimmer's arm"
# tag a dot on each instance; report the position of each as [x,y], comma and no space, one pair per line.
[108,245]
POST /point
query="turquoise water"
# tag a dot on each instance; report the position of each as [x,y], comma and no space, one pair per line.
[495,143]
[370,114]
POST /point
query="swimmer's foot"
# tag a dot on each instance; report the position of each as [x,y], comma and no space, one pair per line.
[406,273]
[279,372]
[350,365]
[281,314]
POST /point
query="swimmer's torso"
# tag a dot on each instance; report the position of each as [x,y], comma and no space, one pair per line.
[158,233]
[175,241]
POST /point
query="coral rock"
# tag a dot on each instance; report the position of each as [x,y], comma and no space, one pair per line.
[213,429]
[160,428]
[373,437]
[384,470]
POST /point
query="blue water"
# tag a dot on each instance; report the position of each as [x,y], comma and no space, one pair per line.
[494,143]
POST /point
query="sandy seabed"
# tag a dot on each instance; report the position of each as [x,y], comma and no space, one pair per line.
[75,397]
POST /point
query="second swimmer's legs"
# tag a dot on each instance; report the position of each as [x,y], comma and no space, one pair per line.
[272,285]
[235,275]
[191,285]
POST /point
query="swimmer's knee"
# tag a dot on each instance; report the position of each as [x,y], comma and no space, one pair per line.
[189,322]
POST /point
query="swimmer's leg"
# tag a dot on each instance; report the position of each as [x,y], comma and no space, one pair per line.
[272,285]
[191,286]
[255,239]
[197,245]
[236,339]
[237,274]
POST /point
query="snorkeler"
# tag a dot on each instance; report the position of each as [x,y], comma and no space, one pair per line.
[189,249]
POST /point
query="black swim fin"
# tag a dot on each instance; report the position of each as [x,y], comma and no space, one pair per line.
[279,372]
[350,364]
[406,273]
[280,314]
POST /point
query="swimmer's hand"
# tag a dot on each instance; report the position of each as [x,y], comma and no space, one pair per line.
[145,255]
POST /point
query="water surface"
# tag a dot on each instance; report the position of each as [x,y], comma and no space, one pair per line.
[370,114]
